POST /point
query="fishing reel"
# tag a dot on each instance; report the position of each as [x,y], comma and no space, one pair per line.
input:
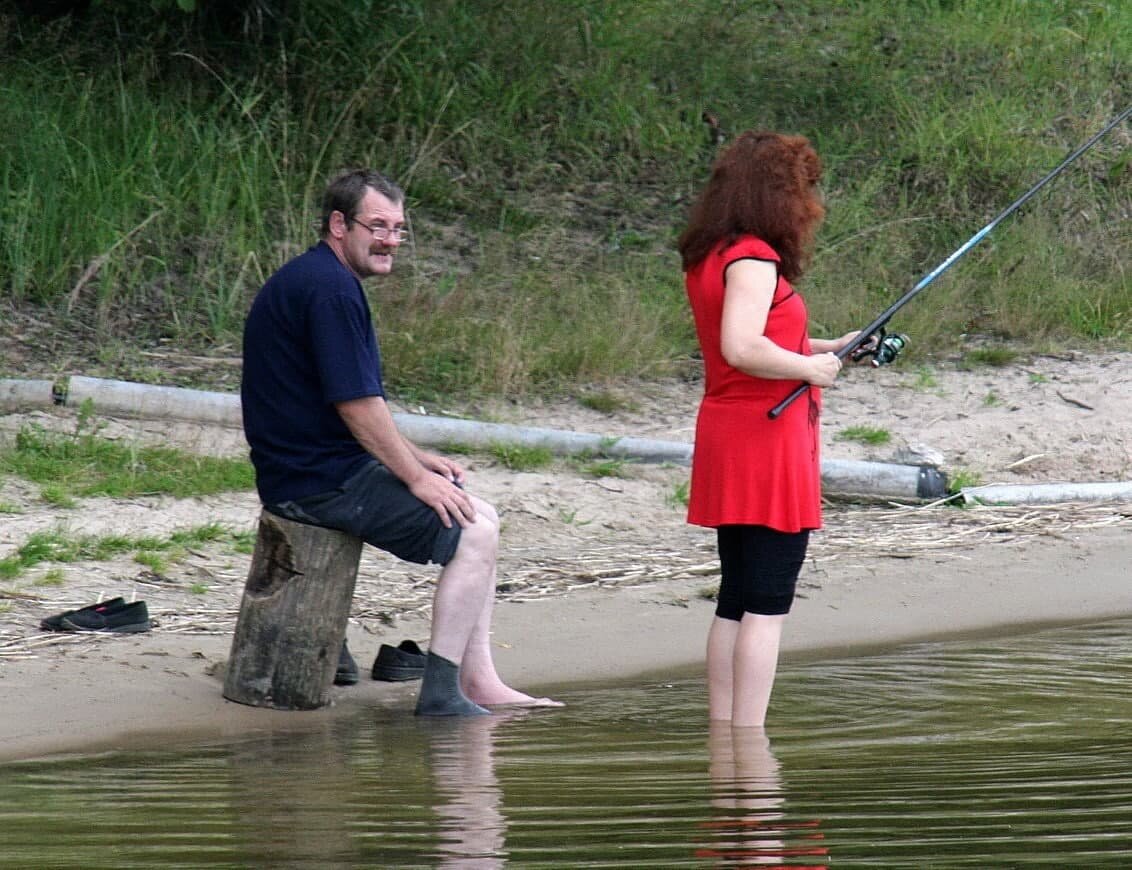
[883,348]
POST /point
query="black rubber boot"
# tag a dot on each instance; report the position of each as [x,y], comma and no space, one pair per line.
[440,691]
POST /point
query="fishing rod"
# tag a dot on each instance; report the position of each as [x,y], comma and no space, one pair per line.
[886,347]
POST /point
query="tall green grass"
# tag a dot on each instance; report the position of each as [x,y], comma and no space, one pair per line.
[550,151]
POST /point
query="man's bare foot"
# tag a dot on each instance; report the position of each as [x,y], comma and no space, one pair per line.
[529,703]
[502,695]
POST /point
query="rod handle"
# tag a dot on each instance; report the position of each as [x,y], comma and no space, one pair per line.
[861,340]
[774,412]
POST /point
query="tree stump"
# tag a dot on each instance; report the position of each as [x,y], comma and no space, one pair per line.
[293,615]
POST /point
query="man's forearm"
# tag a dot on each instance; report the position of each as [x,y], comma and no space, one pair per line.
[371,423]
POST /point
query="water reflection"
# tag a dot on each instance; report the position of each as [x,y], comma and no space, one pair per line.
[750,827]
[1007,753]
[289,794]
[389,792]
[469,809]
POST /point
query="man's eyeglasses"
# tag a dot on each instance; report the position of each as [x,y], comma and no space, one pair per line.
[384,234]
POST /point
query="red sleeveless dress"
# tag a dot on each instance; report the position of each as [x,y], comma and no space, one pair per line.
[746,468]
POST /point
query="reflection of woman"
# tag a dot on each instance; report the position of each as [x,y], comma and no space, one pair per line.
[756,480]
[749,828]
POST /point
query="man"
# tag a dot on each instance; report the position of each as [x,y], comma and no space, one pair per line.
[327,451]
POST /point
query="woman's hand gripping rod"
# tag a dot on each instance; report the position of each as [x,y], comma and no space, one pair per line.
[875,330]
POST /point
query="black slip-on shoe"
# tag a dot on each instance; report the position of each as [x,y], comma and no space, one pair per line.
[347,673]
[401,663]
[127,619]
[55,623]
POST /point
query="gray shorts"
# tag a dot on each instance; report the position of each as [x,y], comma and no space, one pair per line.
[377,507]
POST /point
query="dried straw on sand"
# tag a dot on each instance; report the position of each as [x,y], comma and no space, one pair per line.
[388,590]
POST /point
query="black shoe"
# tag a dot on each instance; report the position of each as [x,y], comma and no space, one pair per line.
[55,623]
[347,673]
[127,619]
[398,664]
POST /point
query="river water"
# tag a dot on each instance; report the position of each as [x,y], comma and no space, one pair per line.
[1008,753]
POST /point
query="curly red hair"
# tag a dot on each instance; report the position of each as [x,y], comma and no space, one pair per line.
[764,185]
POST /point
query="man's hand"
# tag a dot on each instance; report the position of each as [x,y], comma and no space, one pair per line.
[446,498]
[433,479]
[442,465]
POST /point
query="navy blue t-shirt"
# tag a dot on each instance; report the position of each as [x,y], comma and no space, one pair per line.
[309,342]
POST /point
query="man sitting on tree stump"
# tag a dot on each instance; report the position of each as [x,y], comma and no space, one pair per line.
[327,451]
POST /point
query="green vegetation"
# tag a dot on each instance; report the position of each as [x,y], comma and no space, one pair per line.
[83,464]
[961,478]
[995,357]
[156,170]
[605,402]
[153,552]
[601,466]
[520,457]
[865,435]
[51,577]
[156,562]
[925,379]
[678,498]
[570,518]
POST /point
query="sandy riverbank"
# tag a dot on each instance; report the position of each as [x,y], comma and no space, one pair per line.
[117,692]
[600,578]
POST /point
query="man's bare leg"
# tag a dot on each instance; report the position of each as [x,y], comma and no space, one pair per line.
[463,585]
[478,676]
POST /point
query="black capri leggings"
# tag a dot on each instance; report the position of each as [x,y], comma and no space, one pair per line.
[759,568]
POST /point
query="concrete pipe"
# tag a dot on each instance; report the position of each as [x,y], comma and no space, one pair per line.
[18,395]
[145,400]
[1047,493]
[839,477]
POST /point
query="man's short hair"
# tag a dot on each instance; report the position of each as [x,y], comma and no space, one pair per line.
[344,193]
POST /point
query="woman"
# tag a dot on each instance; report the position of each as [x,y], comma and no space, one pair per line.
[756,480]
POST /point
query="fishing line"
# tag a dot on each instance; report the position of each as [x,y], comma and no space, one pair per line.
[888,346]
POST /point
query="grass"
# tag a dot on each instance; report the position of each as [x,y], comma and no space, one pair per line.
[51,577]
[82,464]
[602,467]
[961,478]
[570,518]
[993,357]
[865,435]
[678,498]
[924,379]
[599,463]
[156,553]
[605,402]
[550,152]
[521,457]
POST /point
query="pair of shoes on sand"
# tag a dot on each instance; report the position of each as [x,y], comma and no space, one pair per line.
[401,663]
[116,616]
